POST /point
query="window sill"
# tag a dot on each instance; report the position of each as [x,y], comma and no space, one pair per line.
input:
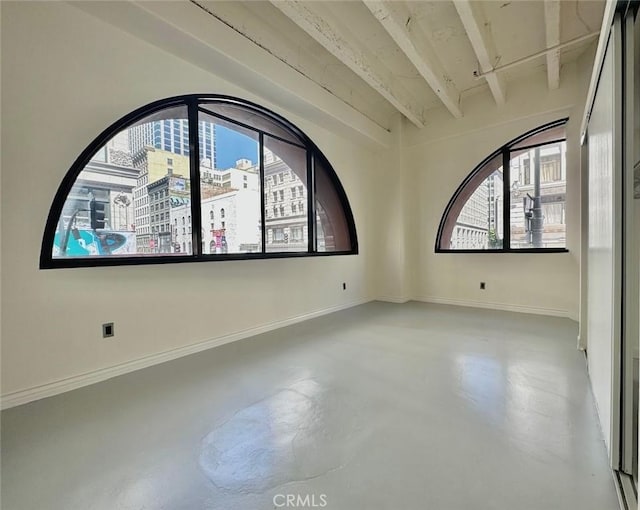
[74,262]
[521,250]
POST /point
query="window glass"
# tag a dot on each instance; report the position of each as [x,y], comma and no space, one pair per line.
[479,224]
[254,119]
[285,169]
[108,210]
[230,190]
[518,207]
[332,229]
[537,193]
[133,199]
[474,220]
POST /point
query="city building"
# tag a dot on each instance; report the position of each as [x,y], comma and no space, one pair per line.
[479,225]
[166,196]
[163,183]
[116,151]
[553,190]
[231,220]
[181,231]
[472,228]
[172,135]
[285,206]
[116,196]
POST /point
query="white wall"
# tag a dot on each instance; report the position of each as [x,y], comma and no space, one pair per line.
[445,152]
[65,77]
[391,237]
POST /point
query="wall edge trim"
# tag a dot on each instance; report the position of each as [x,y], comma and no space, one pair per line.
[507,307]
[393,299]
[59,386]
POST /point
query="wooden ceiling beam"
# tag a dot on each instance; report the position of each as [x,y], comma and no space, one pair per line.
[418,50]
[479,34]
[311,18]
[552,27]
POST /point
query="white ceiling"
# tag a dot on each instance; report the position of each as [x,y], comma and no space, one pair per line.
[381,57]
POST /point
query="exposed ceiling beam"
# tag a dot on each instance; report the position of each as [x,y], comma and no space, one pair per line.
[552,26]
[479,34]
[180,29]
[418,50]
[344,47]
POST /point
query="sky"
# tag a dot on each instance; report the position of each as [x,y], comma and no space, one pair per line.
[232,146]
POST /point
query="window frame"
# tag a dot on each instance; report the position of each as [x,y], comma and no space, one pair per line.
[194,104]
[505,152]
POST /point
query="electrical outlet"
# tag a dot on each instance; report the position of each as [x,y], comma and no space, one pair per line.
[344,285]
[482,286]
[108,330]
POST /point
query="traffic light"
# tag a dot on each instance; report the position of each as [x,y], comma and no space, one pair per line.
[97,214]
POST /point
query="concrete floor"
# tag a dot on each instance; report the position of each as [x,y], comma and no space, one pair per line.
[383,406]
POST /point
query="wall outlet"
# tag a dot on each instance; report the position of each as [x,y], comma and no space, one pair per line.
[344,285]
[108,330]
[483,286]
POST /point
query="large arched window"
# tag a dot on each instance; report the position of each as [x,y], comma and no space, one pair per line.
[514,200]
[195,178]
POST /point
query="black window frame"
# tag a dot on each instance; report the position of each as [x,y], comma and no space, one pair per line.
[505,151]
[194,104]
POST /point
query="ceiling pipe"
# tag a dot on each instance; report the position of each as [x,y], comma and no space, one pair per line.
[539,54]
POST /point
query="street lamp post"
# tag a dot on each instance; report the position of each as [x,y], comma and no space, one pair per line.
[537,219]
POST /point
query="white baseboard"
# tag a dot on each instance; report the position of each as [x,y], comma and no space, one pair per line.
[393,299]
[507,307]
[17,398]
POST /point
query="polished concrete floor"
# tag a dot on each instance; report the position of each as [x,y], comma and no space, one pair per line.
[383,406]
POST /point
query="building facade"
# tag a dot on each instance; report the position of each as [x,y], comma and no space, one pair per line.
[111,185]
[285,214]
[479,225]
[553,187]
[163,183]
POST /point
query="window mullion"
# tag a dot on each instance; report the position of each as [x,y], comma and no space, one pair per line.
[263,226]
[168,140]
[311,204]
[194,173]
[506,203]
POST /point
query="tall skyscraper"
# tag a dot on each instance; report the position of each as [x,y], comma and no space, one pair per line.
[172,135]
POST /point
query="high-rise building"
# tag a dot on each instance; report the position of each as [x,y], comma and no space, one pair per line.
[472,227]
[172,135]
[479,225]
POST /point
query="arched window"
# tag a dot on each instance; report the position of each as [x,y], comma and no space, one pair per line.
[514,200]
[169,162]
